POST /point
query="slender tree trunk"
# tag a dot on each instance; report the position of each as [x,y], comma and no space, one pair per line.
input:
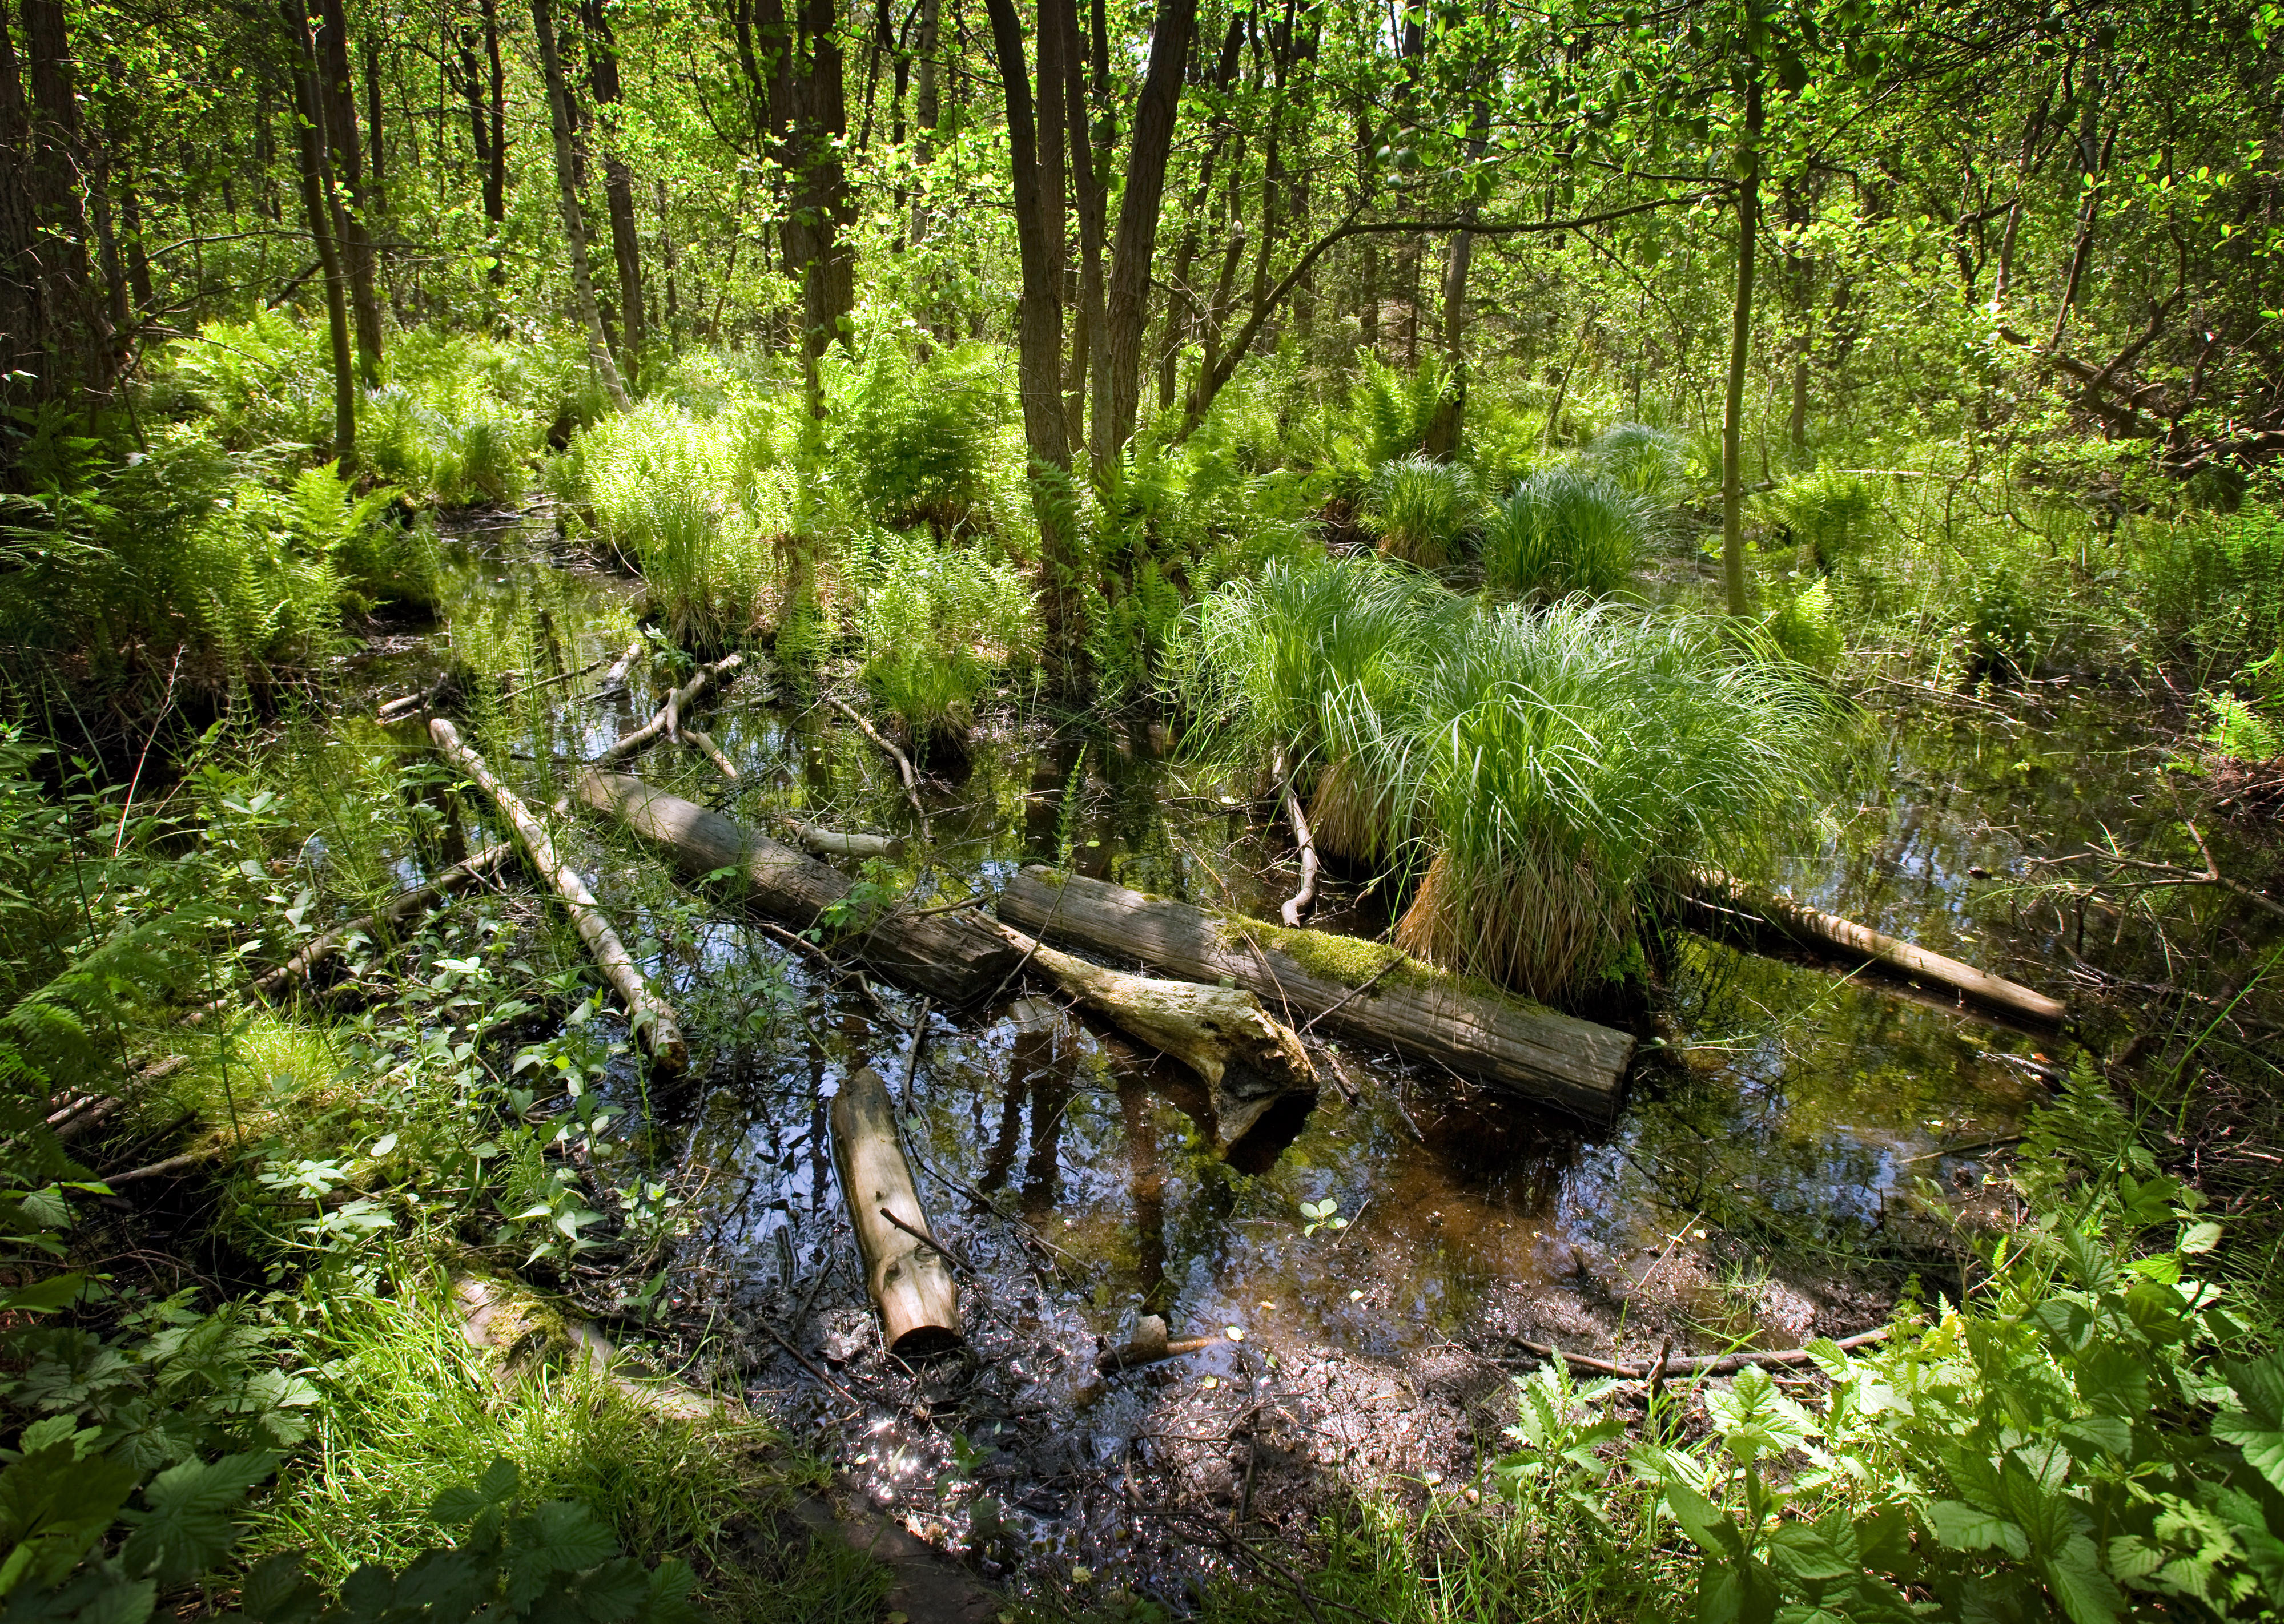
[1118,386]
[927,113]
[1740,335]
[1087,182]
[666,256]
[618,180]
[1442,440]
[337,94]
[567,198]
[73,338]
[317,204]
[22,303]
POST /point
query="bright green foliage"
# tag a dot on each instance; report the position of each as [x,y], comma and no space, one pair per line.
[1419,509]
[2241,731]
[2214,587]
[1831,515]
[1567,528]
[1394,408]
[920,441]
[938,620]
[1650,463]
[1808,628]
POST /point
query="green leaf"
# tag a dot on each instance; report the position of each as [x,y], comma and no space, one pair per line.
[1804,1556]
[2075,1576]
[2256,1426]
[1960,1526]
[188,1527]
[1714,1530]
[43,1296]
[52,1507]
[2201,1238]
[278,1592]
[461,1504]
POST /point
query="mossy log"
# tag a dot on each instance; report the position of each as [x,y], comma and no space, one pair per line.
[1724,904]
[1356,989]
[953,958]
[650,1015]
[909,1277]
[1251,1062]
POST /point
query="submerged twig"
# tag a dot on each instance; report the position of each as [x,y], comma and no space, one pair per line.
[903,763]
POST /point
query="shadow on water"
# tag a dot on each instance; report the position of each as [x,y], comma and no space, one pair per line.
[1760,1181]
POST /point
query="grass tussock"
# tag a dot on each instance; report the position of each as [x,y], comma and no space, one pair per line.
[1419,510]
[1568,528]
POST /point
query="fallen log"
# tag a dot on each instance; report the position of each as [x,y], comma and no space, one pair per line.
[1150,1345]
[954,957]
[908,1274]
[1351,988]
[1250,1063]
[669,715]
[1726,903]
[615,678]
[703,743]
[1305,898]
[649,1017]
[400,910]
[824,842]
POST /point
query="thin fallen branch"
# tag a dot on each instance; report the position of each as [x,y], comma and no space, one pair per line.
[1699,1365]
[704,745]
[650,1015]
[398,911]
[1305,898]
[668,718]
[2167,875]
[903,763]
[615,678]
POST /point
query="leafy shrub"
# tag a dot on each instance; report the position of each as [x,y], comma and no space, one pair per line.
[918,440]
[1808,628]
[1567,528]
[2214,587]
[2007,627]
[1419,509]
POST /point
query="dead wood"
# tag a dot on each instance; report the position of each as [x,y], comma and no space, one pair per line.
[1305,898]
[669,715]
[903,763]
[1149,1345]
[1416,1011]
[648,1014]
[394,914]
[1731,903]
[1697,1364]
[832,843]
[956,958]
[905,1270]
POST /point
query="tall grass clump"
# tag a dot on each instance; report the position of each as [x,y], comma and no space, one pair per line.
[1650,463]
[939,621]
[1568,758]
[694,503]
[1419,510]
[1539,771]
[1567,528]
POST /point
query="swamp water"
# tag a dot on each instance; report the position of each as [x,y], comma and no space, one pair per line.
[1757,1184]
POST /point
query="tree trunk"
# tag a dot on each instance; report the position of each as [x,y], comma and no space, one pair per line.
[649,1017]
[1368,992]
[618,182]
[956,958]
[1740,335]
[337,94]
[1444,426]
[318,205]
[22,286]
[71,340]
[1118,386]
[567,198]
[909,1280]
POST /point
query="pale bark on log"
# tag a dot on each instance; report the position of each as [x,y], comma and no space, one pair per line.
[400,910]
[615,678]
[1250,1061]
[824,842]
[669,715]
[703,743]
[1736,902]
[955,957]
[1305,898]
[649,1015]
[911,1281]
[1573,1064]
[1149,1345]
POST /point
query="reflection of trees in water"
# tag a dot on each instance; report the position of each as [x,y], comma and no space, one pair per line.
[1148,1180]
[1038,1072]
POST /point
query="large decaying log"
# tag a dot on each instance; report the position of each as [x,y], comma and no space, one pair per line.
[395,914]
[669,715]
[1251,1062]
[1735,905]
[649,1015]
[1346,986]
[911,1281]
[954,957]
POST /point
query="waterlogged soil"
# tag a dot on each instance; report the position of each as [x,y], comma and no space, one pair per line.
[1789,1127]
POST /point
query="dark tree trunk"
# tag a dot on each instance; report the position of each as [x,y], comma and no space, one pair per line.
[567,198]
[338,94]
[618,181]
[319,207]
[69,337]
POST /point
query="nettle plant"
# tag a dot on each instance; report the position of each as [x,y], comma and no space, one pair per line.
[2079,1440]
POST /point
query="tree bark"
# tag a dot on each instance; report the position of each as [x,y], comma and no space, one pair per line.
[618,182]
[336,93]
[1740,336]
[909,1280]
[318,205]
[1118,388]
[71,341]
[956,958]
[1573,1064]
[649,1017]
[567,198]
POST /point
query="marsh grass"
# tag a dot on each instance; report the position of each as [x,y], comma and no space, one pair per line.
[1649,463]
[1567,528]
[1419,510]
